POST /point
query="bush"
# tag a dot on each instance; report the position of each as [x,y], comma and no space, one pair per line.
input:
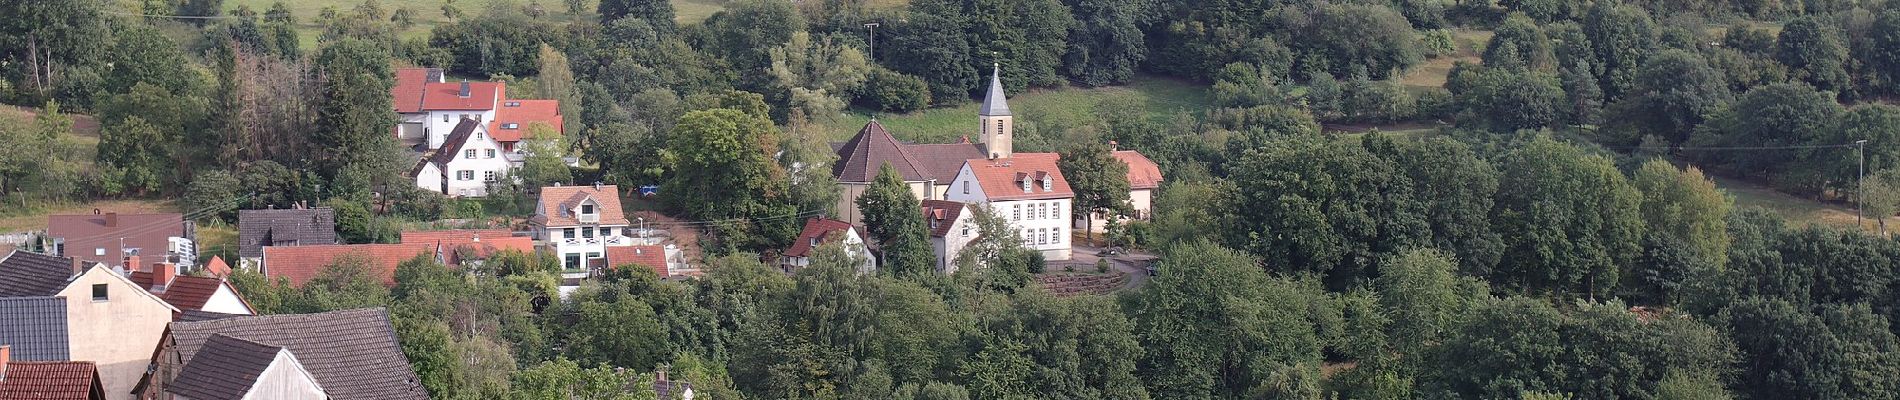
[895,92]
[1101,265]
[212,192]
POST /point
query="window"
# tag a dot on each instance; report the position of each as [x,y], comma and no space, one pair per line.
[1055,235]
[1016,212]
[1025,186]
[488,176]
[593,255]
[465,175]
[1047,183]
[1041,238]
[512,104]
[814,242]
[99,292]
[567,233]
[587,232]
[99,252]
[587,209]
[510,125]
[470,153]
[445,118]
[966,187]
[966,230]
[490,153]
[1042,211]
[999,127]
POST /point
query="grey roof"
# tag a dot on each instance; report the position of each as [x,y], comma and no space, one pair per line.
[861,157]
[200,315]
[33,274]
[225,369]
[353,354]
[35,327]
[995,103]
[288,227]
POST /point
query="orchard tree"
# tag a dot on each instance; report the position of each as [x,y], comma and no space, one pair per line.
[1879,196]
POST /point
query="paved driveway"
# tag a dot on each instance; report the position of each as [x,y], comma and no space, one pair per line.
[1135,264]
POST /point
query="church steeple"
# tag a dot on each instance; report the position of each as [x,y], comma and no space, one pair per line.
[998,125]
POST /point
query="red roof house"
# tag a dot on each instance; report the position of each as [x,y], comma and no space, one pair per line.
[512,119]
[481,243]
[48,380]
[301,263]
[1021,177]
[1142,172]
[642,255]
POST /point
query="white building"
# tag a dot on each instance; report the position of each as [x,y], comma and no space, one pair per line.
[433,113]
[1027,190]
[951,229]
[819,231]
[578,223]
[467,163]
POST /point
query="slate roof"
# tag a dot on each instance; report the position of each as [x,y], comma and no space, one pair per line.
[225,368]
[552,209]
[60,380]
[407,93]
[647,256]
[451,147]
[1002,178]
[35,327]
[447,96]
[861,157]
[484,242]
[521,113]
[353,354]
[301,263]
[996,102]
[942,161]
[288,227]
[941,214]
[1142,172]
[816,228]
[33,274]
[86,233]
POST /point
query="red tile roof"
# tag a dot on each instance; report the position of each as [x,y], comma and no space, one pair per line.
[448,96]
[521,113]
[407,93]
[85,233]
[484,242]
[216,267]
[647,256]
[815,228]
[191,292]
[301,263]
[1142,172]
[51,380]
[941,214]
[1002,178]
[557,201]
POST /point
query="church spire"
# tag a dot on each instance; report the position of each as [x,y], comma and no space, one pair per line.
[995,103]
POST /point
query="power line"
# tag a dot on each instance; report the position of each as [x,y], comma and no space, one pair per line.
[1733,148]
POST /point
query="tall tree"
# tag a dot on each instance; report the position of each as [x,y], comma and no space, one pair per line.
[724,172]
[1571,221]
[1100,182]
[1622,36]
[1675,90]
[893,216]
[1816,50]
[657,13]
[555,79]
[1106,44]
[931,45]
[1216,326]
[354,147]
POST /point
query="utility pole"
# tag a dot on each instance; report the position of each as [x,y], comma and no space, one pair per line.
[873,27]
[1860,147]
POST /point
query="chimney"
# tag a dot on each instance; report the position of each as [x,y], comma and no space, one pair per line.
[6,354]
[162,274]
[465,92]
[112,220]
[132,263]
[1112,146]
[596,185]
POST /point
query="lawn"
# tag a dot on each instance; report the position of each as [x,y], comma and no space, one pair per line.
[1432,73]
[1796,210]
[429,12]
[1047,108]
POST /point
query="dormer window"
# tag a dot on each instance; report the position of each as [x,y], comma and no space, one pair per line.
[814,242]
[1047,184]
[1025,186]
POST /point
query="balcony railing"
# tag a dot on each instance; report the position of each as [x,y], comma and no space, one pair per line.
[589,218]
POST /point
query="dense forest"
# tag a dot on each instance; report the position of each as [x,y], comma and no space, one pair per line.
[1556,236]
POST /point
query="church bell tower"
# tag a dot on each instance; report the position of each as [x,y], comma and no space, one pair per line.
[998,126]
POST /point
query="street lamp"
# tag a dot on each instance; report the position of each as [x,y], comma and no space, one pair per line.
[1860,147]
[873,27]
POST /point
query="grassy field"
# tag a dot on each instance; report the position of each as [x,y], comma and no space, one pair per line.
[1796,210]
[1431,74]
[429,12]
[1067,106]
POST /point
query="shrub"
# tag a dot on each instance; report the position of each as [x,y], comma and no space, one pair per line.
[895,92]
